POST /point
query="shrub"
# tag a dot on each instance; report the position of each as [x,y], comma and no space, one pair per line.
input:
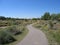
[51,24]
[5,38]
[14,30]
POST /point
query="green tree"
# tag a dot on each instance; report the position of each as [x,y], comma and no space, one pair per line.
[53,16]
[34,18]
[46,16]
[2,18]
[58,17]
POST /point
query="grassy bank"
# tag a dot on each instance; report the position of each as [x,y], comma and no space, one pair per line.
[53,35]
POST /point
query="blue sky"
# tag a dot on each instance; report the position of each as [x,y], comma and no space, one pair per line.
[28,8]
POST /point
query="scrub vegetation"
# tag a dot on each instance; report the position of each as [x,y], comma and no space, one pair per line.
[50,25]
[13,30]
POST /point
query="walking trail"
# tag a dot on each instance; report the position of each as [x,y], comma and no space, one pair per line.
[34,37]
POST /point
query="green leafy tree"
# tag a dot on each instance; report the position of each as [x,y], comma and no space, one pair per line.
[2,18]
[58,17]
[46,16]
[34,18]
[53,16]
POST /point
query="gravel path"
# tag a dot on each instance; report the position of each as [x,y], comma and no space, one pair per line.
[34,37]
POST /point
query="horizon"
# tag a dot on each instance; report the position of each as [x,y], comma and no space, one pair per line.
[28,8]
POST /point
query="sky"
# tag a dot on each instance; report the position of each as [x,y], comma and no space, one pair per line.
[28,8]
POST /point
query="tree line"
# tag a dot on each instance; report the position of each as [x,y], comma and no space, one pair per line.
[48,16]
[8,18]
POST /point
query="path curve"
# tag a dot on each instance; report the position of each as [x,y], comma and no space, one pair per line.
[34,37]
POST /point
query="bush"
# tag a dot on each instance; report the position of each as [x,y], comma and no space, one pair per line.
[5,38]
[14,30]
[51,24]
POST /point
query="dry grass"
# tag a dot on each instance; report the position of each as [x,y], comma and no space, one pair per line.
[52,35]
[22,26]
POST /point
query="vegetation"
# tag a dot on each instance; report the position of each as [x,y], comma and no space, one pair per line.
[16,30]
[12,34]
[50,25]
[51,29]
[12,31]
[48,16]
[6,38]
[20,36]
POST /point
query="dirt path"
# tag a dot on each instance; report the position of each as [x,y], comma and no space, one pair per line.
[34,37]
